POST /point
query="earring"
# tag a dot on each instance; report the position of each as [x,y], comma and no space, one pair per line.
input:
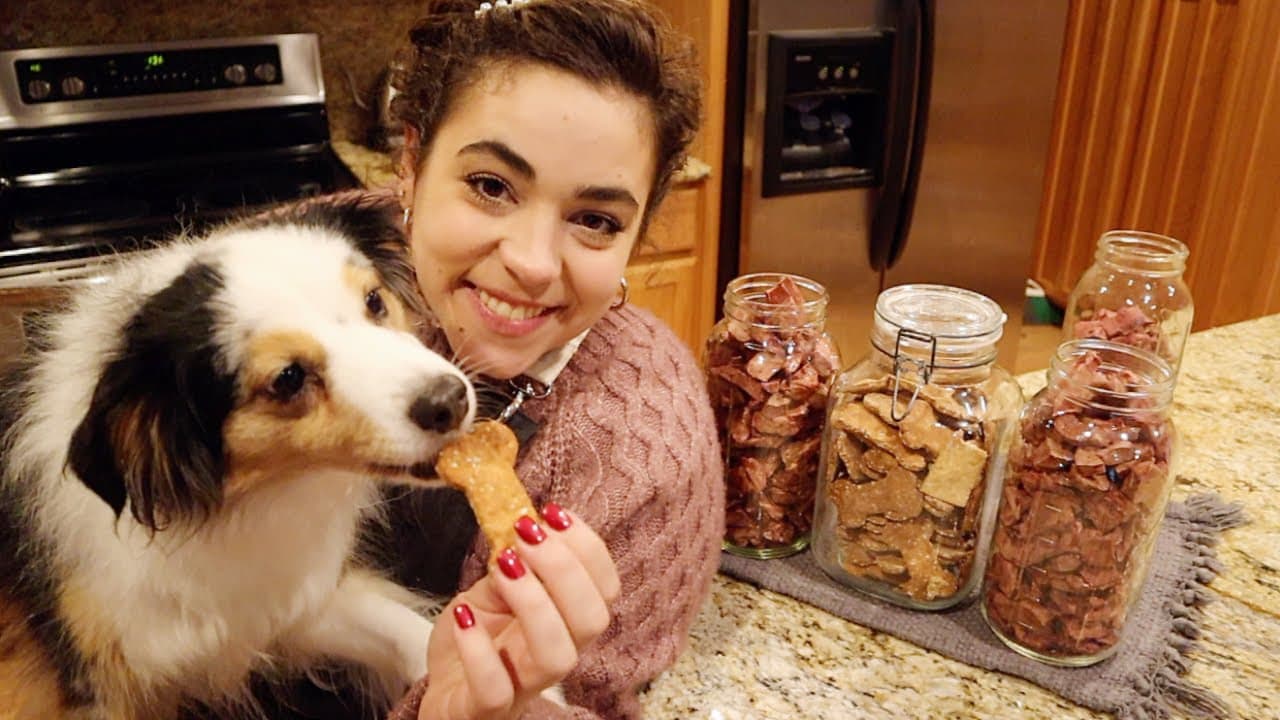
[406,217]
[626,292]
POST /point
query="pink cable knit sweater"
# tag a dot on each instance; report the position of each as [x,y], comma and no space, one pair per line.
[627,441]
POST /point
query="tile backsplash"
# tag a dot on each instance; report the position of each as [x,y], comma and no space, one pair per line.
[357,37]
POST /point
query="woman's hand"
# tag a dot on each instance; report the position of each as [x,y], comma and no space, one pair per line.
[519,631]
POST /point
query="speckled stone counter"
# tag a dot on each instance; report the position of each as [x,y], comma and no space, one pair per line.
[758,654]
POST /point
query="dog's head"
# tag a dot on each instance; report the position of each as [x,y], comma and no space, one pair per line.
[284,348]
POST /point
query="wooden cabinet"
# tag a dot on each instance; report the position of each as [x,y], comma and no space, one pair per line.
[674,275]
[666,276]
[667,288]
[1168,120]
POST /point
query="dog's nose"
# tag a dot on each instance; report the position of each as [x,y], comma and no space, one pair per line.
[441,406]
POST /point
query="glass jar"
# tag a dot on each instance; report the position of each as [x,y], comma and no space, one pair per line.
[769,366]
[1134,294]
[1086,488]
[913,448]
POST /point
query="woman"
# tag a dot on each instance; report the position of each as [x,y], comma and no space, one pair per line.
[540,139]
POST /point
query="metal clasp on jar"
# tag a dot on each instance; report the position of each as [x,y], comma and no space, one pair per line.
[923,370]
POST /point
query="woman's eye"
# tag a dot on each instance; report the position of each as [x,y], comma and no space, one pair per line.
[375,305]
[488,187]
[289,382]
[603,224]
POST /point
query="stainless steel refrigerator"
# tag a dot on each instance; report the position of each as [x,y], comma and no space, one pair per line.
[871,143]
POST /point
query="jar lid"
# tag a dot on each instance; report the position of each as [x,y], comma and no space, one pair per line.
[955,327]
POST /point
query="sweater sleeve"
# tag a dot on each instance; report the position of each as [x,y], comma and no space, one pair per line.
[407,708]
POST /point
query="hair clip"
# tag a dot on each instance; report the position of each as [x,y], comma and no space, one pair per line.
[499,5]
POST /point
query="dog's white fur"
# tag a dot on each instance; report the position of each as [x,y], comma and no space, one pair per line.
[268,576]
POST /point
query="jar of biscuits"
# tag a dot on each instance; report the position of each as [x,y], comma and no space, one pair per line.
[769,366]
[1134,294]
[913,447]
[1084,494]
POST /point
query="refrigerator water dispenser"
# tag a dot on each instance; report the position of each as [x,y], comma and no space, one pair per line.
[827,95]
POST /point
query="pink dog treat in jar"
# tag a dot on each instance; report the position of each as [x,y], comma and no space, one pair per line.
[1134,294]
[1084,493]
[769,365]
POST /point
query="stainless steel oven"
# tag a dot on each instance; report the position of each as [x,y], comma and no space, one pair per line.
[109,150]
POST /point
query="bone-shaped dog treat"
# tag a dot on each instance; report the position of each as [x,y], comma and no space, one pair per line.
[482,465]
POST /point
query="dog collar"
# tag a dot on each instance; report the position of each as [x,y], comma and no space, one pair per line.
[537,383]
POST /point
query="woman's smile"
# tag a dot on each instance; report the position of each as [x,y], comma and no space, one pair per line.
[505,315]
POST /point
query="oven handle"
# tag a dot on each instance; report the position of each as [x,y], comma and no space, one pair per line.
[59,273]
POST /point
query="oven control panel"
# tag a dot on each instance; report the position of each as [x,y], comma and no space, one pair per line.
[57,79]
[41,87]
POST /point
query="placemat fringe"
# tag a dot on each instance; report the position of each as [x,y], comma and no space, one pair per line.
[1168,691]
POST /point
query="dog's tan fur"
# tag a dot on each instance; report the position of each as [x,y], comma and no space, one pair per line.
[28,683]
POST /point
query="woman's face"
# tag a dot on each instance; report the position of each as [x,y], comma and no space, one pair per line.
[525,210]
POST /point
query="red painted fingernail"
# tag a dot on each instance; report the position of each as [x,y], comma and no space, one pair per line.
[510,565]
[556,517]
[462,614]
[529,531]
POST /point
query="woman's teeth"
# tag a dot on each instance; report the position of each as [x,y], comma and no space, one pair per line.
[506,310]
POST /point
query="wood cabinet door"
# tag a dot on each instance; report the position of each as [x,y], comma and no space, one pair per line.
[667,288]
[1168,120]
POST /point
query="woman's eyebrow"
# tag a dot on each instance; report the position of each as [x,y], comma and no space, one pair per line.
[502,152]
[600,193]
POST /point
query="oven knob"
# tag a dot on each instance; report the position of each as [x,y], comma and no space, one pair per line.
[235,74]
[72,86]
[39,89]
[266,72]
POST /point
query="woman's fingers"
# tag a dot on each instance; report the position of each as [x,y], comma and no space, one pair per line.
[490,689]
[567,581]
[589,548]
[553,591]
[550,645]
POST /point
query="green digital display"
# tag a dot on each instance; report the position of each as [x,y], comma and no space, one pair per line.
[35,67]
[155,60]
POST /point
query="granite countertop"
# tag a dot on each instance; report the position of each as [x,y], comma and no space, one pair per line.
[757,654]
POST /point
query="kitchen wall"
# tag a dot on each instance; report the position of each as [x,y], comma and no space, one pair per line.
[357,37]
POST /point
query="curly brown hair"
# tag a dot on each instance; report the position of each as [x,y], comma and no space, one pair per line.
[623,44]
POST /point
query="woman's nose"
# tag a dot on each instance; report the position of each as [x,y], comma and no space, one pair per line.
[531,253]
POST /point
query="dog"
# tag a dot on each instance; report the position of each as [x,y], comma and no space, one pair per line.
[188,454]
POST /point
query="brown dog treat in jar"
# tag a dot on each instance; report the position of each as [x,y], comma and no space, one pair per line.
[1084,494]
[913,433]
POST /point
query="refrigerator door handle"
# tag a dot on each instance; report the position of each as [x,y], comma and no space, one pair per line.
[891,218]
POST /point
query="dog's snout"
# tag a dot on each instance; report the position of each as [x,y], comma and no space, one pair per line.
[440,407]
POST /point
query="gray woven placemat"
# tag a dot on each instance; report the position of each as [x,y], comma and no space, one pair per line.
[1142,681]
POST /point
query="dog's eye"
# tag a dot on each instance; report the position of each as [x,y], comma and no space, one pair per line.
[374,304]
[289,382]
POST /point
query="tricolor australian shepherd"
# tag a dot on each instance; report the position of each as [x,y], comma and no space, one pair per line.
[188,452]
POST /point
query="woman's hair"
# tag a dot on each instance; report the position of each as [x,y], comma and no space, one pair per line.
[622,44]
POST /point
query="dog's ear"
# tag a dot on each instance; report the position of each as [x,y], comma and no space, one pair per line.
[152,438]
[372,223]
